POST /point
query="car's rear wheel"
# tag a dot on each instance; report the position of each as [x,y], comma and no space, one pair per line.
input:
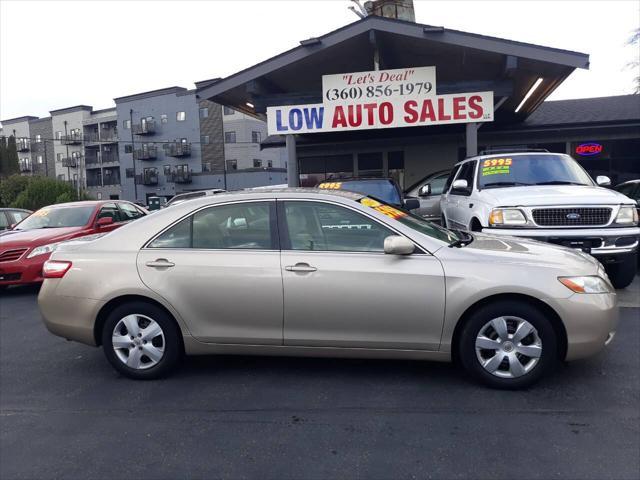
[622,273]
[508,344]
[141,340]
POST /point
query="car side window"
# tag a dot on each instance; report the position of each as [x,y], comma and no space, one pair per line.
[109,210]
[19,216]
[449,181]
[327,227]
[437,185]
[4,222]
[466,173]
[129,212]
[247,225]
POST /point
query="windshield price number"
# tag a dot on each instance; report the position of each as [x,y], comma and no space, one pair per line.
[497,162]
[356,93]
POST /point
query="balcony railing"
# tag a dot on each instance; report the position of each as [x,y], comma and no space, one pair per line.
[179,177]
[91,159]
[111,180]
[108,157]
[71,139]
[149,153]
[148,178]
[94,182]
[23,144]
[147,127]
[71,162]
[25,167]
[105,136]
[177,149]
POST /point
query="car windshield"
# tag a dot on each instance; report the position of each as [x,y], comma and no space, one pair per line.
[412,221]
[57,217]
[519,170]
[382,189]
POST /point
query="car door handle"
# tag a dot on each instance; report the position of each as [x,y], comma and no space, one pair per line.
[300,267]
[160,263]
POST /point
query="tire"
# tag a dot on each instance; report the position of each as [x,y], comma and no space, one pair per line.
[622,273]
[541,344]
[154,354]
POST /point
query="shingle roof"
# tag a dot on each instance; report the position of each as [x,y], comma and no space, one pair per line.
[622,108]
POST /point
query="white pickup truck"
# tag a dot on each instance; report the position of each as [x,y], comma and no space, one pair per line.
[548,197]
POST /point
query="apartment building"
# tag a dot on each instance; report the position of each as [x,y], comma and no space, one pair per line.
[42,150]
[68,146]
[19,129]
[101,154]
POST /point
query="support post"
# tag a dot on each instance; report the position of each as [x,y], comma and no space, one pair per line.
[292,162]
[472,139]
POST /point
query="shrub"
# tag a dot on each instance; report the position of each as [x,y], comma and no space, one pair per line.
[43,191]
[11,187]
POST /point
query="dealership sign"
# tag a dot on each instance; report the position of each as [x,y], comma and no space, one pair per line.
[380,99]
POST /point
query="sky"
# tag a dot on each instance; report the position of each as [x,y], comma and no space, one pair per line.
[56,54]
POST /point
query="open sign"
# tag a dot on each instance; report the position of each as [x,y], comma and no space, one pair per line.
[588,149]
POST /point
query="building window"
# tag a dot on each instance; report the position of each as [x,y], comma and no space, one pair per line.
[204,112]
[255,137]
[206,167]
[257,163]
[61,176]
[164,118]
[183,141]
[38,138]
[128,173]
[58,157]
[39,159]
[270,163]
[230,137]
[181,116]
[126,124]
[58,135]
[128,148]
[228,111]
[204,139]
[232,164]
[166,169]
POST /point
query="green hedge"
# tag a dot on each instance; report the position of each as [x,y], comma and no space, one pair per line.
[33,193]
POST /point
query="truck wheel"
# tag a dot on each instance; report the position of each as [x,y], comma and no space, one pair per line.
[622,273]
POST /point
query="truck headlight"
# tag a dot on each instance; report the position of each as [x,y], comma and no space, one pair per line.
[43,249]
[589,284]
[627,215]
[507,216]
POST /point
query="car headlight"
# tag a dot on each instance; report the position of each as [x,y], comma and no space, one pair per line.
[43,249]
[590,284]
[627,215]
[507,216]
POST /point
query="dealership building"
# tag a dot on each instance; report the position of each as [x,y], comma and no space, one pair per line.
[289,91]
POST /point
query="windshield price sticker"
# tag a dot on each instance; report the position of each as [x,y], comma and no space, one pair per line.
[331,185]
[387,210]
[496,166]
[40,213]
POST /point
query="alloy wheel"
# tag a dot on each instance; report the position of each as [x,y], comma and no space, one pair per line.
[138,341]
[508,347]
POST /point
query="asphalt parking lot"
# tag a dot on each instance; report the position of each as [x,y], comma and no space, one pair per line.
[64,413]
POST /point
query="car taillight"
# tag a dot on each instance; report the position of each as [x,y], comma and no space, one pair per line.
[55,268]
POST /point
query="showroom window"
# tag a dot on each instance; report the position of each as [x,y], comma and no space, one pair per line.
[245,226]
[327,227]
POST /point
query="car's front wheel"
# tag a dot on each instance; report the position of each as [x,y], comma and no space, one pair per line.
[622,273]
[141,340]
[508,344]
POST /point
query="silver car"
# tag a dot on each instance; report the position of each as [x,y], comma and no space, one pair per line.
[325,273]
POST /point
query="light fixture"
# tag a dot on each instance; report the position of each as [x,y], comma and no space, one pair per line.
[529,93]
[249,104]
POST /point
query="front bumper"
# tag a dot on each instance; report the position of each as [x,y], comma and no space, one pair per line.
[596,241]
[23,271]
[590,321]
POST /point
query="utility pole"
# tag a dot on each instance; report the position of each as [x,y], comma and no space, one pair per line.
[133,156]
[67,148]
[46,165]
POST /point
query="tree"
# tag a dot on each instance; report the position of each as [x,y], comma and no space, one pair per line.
[43,191]
[3,156]
[12,163]
[10,188]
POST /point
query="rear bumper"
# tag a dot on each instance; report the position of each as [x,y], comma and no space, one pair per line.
[24,271]
[596,241]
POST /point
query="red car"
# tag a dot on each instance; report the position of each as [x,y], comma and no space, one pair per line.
[25,248]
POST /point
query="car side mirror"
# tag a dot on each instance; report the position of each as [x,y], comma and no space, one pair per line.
[411,203]
[603,180]
[425,190]
[397,245]
[460,185]
[104,221]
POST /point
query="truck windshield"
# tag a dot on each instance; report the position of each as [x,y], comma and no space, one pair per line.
[519,170]
[382,189]
[57,217]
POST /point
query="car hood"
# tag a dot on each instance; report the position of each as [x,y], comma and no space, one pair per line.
[37,236]
[525,251]
[555,195]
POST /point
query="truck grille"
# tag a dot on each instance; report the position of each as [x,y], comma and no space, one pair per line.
[11,255]
[570,217]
